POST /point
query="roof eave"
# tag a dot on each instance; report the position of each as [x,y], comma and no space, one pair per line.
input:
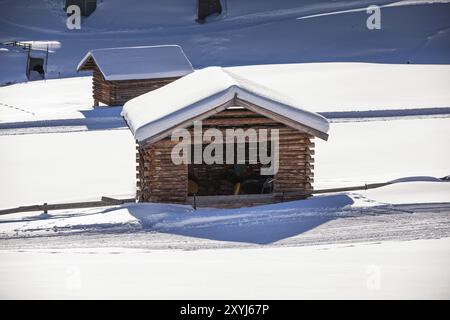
[233,102]
[83,61]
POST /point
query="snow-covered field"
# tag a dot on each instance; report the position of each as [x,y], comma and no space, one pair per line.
[35,167]
[394,270]
[321,219]
[328,88]
[46,99]
[254,32]
[388,122]
[65,254]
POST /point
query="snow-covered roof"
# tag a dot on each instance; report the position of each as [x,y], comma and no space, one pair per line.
[133,63]
[204,90]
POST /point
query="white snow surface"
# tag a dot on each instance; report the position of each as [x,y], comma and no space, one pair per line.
[35,166]
[389,270]
[202,91]
[410,192]
[380,151]
[330,87]
[66,167]
[415,32]
[51,167]
[144,62]
[318,87]
[45,99]
[264,224]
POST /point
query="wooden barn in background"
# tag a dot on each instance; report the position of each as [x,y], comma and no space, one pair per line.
[121,74]
[221,101]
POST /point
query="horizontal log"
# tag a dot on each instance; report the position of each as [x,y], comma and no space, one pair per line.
[291,189]
[237,121]
[296,177]
[235,112]
[294,182]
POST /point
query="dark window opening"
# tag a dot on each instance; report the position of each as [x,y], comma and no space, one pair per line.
[207,8]
[35,68]
[39,68]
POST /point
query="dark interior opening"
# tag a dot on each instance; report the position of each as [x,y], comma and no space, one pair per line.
[207,8]
[86,6]
[228,178]
[36,68]
[39,68]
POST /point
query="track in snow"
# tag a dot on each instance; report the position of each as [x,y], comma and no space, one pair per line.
[399,222]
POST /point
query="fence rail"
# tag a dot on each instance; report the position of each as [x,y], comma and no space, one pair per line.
[15,43]
[106,201]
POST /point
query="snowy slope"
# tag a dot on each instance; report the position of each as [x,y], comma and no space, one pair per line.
[337,87]
[365,152]
[103,162]
[45,99]
[256,32]
[66,167]
[82,253]
[330,88]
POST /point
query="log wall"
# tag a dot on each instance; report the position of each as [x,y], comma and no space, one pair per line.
[101,89]
[114,93]
[296,162]
[159,179]
[128,89]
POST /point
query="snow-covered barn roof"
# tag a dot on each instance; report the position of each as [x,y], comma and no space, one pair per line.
[202,93]
[134,63]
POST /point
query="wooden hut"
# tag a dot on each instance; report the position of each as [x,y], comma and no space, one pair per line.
[217,99]
[120,74]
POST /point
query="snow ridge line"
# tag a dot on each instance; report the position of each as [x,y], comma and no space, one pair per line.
[116,122]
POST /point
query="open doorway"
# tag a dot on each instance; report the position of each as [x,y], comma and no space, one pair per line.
[206,8]
[35,69]
[228,178]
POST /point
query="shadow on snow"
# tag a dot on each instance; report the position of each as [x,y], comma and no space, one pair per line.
[259,225]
